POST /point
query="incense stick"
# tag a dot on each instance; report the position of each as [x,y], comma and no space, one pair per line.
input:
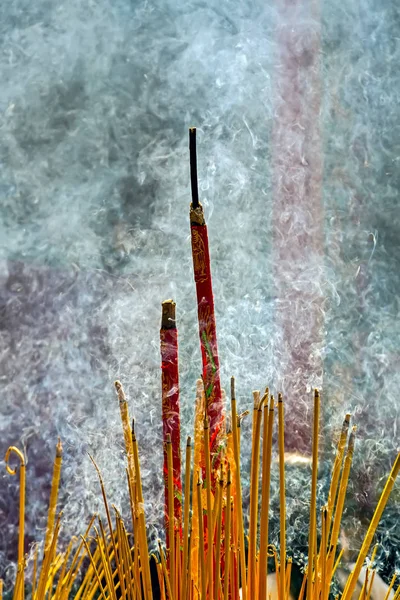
[171,406]
[10,471]
[238,487]
[119,569]
[206,314]
[282,495]
[313,502]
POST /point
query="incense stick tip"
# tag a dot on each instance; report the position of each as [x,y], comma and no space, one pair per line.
[59,448]
[168,317]
[120,391]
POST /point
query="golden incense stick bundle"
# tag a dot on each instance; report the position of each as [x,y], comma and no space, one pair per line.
[108,562]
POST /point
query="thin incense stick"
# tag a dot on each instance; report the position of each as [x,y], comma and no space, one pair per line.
[209,510]
[170,513]
[336,470]
[201,531]
[340,501]
[322,553]
[144,551]
[352,581]
[254,483]
[227,543]
[313,502]
[126,428]
[197,462]
[392,582]
[218,536]
[22,476]
[186,519]
[282,495]
[266,480]
[53,495]
[238,487]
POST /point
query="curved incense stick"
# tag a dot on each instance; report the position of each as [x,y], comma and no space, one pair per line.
[10,471]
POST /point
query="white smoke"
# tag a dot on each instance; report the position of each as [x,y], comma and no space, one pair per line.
[95,103]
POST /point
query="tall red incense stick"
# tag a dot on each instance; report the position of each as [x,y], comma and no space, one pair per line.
[170,406]
[205,308]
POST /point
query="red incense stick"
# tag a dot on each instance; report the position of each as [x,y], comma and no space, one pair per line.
[205,308]
[170,406]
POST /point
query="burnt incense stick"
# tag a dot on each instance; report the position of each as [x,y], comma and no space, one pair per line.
[193,167]
[206,313]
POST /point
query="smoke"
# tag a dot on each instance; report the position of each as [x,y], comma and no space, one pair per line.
[297,115]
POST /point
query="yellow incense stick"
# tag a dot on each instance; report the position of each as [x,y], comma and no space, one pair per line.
[336,469]
[371,584]
[166,574]
[106,506]
[238,487]
[171,528]
[313,501]
[392,582]
[217,574]
[266,480]
[340,502]
[53,495]
[254,481]
[210,561]
[126,428]
[322,553]
[198,443]
[201,539]
[282,495]
[288,576]
[10,471]
[352,581]
[186,519]
[142,522]
[227,543]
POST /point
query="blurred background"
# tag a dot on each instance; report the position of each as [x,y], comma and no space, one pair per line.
[297,108]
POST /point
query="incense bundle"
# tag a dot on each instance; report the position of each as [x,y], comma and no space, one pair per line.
[108,562]
[171,411]
[205,306]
